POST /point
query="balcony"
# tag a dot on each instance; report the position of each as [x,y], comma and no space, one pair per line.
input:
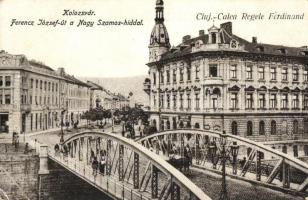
[26,108]
[213,81]
[147,85]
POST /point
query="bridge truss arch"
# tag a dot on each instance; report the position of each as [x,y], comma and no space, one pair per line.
[131,171]
[253,162]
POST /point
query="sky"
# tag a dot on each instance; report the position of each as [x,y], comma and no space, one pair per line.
[120,51]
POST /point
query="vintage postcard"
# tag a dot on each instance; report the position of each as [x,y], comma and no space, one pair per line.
[154,99]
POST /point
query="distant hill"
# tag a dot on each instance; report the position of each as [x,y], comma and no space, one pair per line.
[123,85]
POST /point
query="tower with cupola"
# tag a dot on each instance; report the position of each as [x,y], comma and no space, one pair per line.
[159,41]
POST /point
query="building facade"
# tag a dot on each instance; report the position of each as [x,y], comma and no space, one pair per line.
[33,96]
[220,81]
[100,97]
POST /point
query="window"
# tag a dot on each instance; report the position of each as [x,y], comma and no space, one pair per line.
[188,74]
[174,101]
[154,78]
[7,99]
[273,74]
[285,149]
[213,70]
[181,74]
[41,85]
[284,101]
[197,100]
[305,75]
[295,101]
[273,127]
[31,83]
[188,101]
[233,71]
[306,150]
[168,76]
[262,128]
[154,99]
[1,81]
[273,101]
[284,74]
[174,75]
[45,86]
[53,87]
[7,81]
[233,100]
[168,101]
[181,101]
[48,86]
[234,128]
[197,71]
[1,100]
[249,72]
[262,100]
[261,73]
[249,100]
[306,101]
[249,128]
[306,126]
[161,77]
[295,127]
[295,74]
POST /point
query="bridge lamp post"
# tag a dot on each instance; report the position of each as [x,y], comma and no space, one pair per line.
[224,192]
[234,152]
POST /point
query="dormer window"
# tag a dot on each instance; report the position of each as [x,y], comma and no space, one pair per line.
[282,51]
[260,49]
[233,44]
[214,38]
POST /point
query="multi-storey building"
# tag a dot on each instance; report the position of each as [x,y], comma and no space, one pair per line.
[100,97]
[33,96]
[220,81]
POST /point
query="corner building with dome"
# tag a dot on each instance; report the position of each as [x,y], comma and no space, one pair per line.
[220,81]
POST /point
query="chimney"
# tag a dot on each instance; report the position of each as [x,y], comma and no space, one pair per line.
[61,71]
[227,26]
[185,38]
[254,40]
[201,32]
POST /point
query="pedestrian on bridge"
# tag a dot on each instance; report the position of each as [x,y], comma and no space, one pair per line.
[103,162]
[95,166]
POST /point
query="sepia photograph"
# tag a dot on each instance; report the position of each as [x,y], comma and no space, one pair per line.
[153,100]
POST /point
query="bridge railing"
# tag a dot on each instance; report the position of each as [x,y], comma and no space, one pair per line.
[254,160]
[107,184]
[131,168]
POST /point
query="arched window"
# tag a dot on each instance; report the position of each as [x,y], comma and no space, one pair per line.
[197,125]
[295,127]
[273,127]
[168,124]
[249,128]
[154,123]
[295,151]
[181,124]
[188,125]
[174,123]
[261,128]
[285,149]
[234,128]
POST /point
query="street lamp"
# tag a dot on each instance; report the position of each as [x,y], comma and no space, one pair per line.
[62,132]
[212,151]
[234,152]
